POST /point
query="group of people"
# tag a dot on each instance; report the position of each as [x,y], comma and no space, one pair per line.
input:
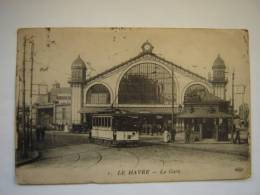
[62,127]
[152,128]
[157,128]
[169,132]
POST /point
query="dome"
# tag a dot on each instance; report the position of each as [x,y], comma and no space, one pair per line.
[78,63]
[219,63]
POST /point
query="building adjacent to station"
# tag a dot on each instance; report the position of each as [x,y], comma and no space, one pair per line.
[55,110]
[147,85]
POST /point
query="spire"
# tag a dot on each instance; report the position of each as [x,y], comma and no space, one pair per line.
[78,63]
[219,63]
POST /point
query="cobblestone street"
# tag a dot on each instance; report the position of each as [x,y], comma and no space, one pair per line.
[79,162]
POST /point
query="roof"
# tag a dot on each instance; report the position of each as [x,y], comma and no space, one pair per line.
[136,110]
[78,63]
[208,98]
[203,114]
[219,63]
[142,54]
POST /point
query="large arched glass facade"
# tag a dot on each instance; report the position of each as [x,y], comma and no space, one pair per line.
[195,92]
[146,83]
[98,94]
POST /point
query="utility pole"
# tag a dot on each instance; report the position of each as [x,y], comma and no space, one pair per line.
[31,94]
[243,94]
[233,92]
[18,143]
[24,140]
[233,104]
[172,98]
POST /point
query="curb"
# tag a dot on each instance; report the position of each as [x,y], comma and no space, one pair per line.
[205,149]
[36,155]
[212,150]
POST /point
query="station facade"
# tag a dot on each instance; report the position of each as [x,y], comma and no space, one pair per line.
[153,88]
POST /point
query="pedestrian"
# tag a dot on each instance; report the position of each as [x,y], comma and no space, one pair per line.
[173,134]
[237,137]
[149,129]
[154,128]
[159,128]
[166,133]
[187,134]
[220,132]
[42,132]
[66,128]
[38,132]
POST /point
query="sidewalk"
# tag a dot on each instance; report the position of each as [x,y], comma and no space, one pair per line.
[55,138]
[207,145]
[224,148]
[32,156]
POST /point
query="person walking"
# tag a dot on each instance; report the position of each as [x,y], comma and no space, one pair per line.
[173,134]
[42,133]
[66,128]
[237,137]
[38,132]
[187,134]
[166,133]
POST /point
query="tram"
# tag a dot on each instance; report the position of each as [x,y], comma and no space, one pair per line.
[116,127]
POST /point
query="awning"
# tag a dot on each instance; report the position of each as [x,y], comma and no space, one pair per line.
[44,106]
[137,110]
[203,114]
[91,110]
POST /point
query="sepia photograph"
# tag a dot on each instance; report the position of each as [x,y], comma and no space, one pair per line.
[132,105]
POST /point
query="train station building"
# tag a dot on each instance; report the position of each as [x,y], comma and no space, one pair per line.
[154,89]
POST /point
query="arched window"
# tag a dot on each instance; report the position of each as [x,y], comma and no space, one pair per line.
[146,83]
[195,92]
[98,94]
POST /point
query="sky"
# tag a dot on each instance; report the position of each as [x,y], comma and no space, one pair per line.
[103,48]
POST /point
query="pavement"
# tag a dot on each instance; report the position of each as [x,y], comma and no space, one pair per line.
[54,139]
[32,156]
[150,162]
[60,138]
[209,145]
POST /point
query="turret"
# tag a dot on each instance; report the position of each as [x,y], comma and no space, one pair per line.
[218,80]
[78,71]
[78,78]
